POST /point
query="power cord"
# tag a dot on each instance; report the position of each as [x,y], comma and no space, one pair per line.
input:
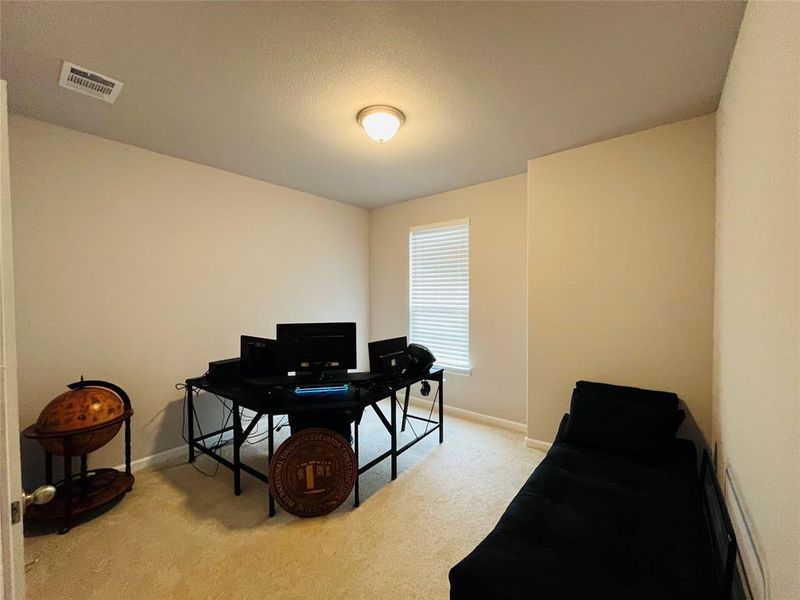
[226,420]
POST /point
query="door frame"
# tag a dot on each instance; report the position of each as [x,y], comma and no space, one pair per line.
[12,571]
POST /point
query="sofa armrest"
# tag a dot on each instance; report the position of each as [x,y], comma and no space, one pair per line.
[561,427]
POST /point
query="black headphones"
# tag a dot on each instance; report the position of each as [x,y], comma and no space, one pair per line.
[420,359]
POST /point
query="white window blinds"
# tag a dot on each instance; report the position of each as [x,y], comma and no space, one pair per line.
[439,292]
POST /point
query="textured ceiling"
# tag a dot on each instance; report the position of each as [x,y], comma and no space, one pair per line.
[271,89]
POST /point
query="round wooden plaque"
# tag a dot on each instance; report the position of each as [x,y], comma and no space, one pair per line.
[312,472]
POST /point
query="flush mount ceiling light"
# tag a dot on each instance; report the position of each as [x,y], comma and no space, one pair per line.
[380,122]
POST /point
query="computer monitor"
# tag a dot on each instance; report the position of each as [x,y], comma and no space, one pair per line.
[259,357]
[389,357]
[317,347]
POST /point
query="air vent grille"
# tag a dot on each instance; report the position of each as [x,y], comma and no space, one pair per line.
[88,82]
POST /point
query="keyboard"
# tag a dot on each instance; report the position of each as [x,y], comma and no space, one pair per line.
[309,390]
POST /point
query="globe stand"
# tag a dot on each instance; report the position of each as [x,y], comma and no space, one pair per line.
[81,493]
[89,488]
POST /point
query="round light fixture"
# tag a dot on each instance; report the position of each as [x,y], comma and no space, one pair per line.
[380,122]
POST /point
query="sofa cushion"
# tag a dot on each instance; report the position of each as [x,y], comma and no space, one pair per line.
[651,397]
[621,424]
[594,525]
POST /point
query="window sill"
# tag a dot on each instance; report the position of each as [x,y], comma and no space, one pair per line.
[463,371]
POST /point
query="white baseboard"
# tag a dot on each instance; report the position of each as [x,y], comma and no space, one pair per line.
[538,444]
[167,458]
[469,415]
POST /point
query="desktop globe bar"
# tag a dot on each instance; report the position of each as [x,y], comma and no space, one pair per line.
[77,423]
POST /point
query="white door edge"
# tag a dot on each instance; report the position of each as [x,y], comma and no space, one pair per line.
[12,571]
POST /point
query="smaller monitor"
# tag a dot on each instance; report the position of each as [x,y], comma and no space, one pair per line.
[388,356]
[259,357]
[317,347]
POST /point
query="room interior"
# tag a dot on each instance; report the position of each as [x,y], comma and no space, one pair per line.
[548,196]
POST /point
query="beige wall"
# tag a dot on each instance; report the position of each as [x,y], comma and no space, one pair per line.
[496,211]
[139,268]
[757,316]
[620,259]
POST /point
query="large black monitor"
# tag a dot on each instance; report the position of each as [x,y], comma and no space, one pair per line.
[317,347]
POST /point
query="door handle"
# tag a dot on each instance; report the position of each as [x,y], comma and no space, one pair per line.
[41,495]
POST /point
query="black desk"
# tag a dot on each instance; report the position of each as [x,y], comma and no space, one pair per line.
[271,399]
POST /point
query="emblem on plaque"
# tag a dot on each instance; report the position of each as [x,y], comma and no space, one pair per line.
[312,472]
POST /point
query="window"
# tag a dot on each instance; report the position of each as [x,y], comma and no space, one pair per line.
[439,292]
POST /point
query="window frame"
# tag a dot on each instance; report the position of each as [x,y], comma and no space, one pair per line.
[458,370]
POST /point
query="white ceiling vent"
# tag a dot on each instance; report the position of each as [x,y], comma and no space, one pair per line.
[82,80]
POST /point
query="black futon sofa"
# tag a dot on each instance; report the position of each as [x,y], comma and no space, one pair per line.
[614,511]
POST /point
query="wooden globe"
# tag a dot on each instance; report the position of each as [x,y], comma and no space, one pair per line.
[89,416]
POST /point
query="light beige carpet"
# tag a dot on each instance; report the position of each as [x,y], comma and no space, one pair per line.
[180,534]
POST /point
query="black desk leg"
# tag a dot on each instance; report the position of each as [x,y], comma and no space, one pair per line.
[271,446]
[237,442]
[441,407]
[358,475]
[405,408]
[394,436]
[190,419]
